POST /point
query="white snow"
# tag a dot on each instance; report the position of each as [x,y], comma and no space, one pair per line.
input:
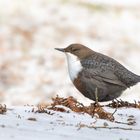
[14,125]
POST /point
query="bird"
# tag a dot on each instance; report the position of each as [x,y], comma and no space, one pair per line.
[95,75]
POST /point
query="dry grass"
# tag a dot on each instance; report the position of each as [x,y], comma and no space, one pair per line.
[3,109]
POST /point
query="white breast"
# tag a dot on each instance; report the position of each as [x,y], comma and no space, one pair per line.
[74,65]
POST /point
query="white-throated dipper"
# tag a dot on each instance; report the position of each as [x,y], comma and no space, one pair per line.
[90,70]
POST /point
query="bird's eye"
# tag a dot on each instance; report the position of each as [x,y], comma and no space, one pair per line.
[74,49]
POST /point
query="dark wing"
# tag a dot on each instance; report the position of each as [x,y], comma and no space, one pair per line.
[102,67]
[103,76]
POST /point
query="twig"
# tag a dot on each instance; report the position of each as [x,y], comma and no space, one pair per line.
[105,127]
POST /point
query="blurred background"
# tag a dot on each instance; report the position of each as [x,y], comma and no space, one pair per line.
[32,72]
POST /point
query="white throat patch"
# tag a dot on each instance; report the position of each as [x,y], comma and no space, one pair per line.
[74,65]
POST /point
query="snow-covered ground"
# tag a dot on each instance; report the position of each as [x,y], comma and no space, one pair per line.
[20,123]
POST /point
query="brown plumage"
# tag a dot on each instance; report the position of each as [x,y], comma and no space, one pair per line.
[90,70]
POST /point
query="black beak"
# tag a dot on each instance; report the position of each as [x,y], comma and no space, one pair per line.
[60,49]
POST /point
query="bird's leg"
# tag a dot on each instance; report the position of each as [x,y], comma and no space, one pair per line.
[96,96]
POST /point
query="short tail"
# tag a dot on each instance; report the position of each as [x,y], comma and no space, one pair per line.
[138,78]
[134,80]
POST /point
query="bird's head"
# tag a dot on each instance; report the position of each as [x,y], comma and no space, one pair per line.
[78,50]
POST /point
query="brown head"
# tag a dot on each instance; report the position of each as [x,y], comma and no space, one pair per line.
[79,50]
